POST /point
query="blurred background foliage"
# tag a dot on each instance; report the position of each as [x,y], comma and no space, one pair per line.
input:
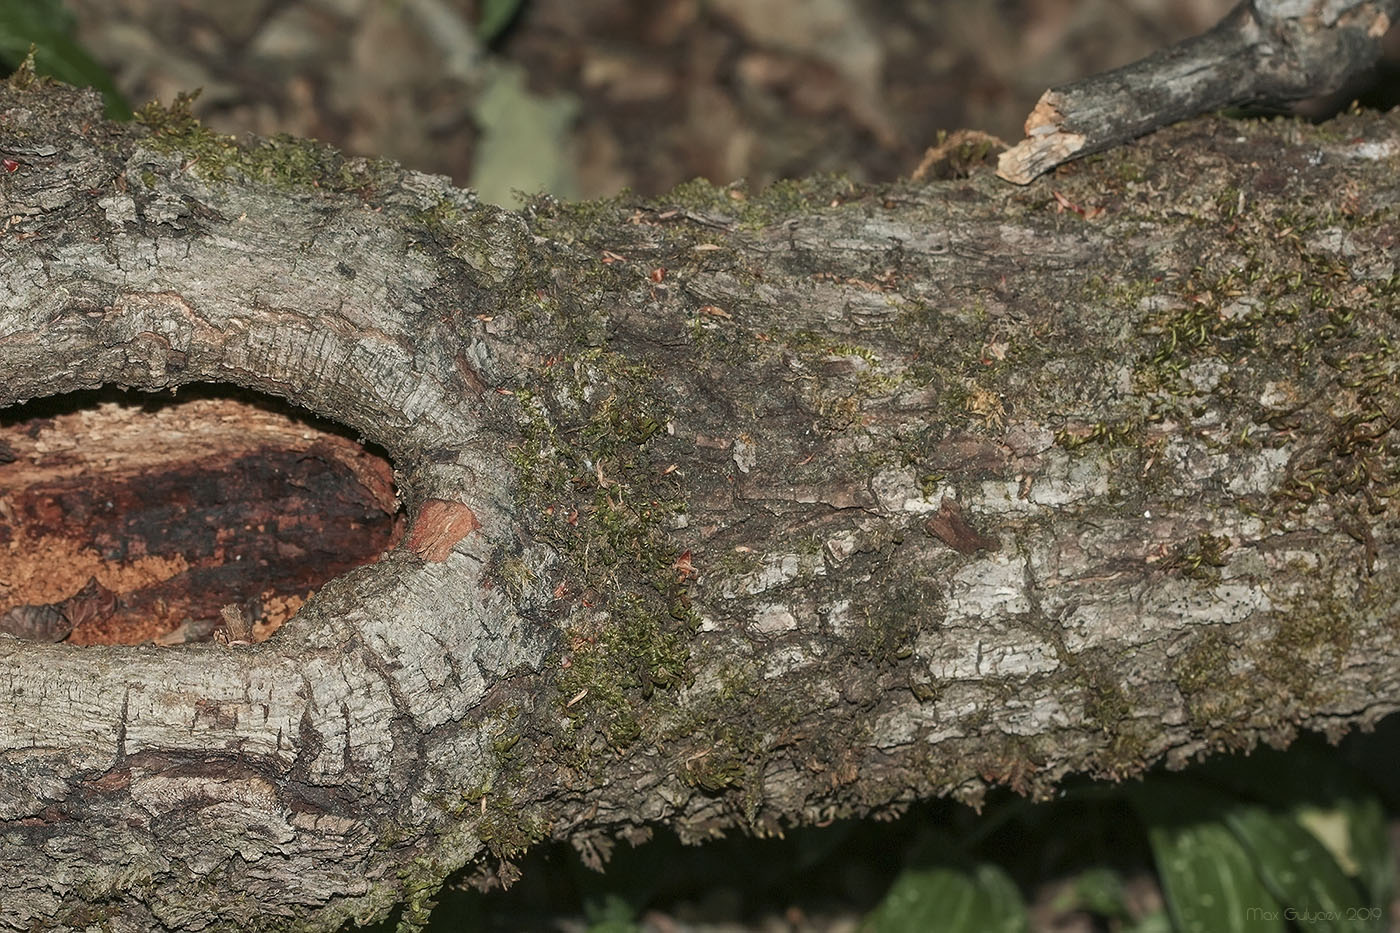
[49,28]
[584,100]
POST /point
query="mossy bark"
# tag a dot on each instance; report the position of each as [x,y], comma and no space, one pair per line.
[731,510]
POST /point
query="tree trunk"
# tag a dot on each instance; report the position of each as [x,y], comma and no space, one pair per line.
[731,510]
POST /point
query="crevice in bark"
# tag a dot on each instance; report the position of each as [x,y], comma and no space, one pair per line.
[134,517]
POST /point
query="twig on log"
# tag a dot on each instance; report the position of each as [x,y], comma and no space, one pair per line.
[1267,51]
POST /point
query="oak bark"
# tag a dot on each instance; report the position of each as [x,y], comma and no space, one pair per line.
[727,511]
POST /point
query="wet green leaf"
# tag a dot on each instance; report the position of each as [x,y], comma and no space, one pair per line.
[951,900]
[1208,877]
[1301,873]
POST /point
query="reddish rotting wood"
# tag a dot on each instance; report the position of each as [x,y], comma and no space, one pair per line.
[138,520]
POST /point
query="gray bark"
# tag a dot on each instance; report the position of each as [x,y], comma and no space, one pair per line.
[732,511]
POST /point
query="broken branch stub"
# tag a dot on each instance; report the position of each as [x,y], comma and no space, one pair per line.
[1262,52]
[440,525]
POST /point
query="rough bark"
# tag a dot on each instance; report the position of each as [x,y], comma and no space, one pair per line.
[728,511]
[1264,52]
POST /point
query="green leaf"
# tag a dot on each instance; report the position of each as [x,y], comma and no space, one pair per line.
[1301,873]
[43,15]
[1317,785]
[1209,881]
[1370,848]
[951,900]
[1156,922]
[610,913]
[495,17]
[1331,827]
[1208,877]
[48,26]
[1097,891]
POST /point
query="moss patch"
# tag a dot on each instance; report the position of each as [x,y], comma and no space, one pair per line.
[596,492]
[1200,558]
[281,160]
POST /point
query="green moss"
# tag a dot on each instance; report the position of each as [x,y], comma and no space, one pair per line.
[1105,703]
[1310,637]
[1200,559]
[507,830]
[1117,434]
[779,201]
[1197,325]
[958,155]
[619,663]
[282,160]
[839,399]
[503,745]
[723,739]
[440,216]
[718,768]
[1204,666]
[1109,708]
[703,194]
[421,881]
[1267,294]
[929,482]
[594,491]
[1264,292]
[1228,201]
[516,575]
[1357,458]
[886,634]
[1129,171]
[1213,693]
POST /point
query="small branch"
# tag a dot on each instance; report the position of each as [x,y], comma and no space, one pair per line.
[1268,51]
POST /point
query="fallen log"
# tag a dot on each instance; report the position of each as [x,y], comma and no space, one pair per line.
[725,510]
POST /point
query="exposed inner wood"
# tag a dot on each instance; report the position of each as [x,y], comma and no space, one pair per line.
[134,518]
